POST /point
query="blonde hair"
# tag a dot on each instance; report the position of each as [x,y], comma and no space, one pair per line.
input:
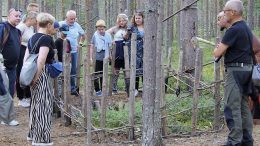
[123,16]
[44,18]
[31,6]
[31,15]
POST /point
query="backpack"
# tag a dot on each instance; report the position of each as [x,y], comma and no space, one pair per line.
[4,34]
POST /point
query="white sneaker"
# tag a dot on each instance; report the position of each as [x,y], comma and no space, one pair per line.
[24,103]
[42,144]
[136,92]
[12,123]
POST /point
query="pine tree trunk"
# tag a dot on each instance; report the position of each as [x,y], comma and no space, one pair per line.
[189,29]
[1,14]
[121,6]
[250,14]
[151,134]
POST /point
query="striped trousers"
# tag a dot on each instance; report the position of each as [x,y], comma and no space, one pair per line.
[40,113]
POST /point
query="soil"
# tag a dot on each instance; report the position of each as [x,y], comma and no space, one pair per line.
[73,135]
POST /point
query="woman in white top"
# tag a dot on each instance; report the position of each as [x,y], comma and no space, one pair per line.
[118,32]
[27,28]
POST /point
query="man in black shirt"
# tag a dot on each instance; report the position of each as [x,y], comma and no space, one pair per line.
[10,49]
[236,46]
[64,30]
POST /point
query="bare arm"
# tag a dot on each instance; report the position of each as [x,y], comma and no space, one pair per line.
[220,50]
[43,52]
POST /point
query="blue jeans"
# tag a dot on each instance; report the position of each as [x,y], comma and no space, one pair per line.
[11,73]
[73,72]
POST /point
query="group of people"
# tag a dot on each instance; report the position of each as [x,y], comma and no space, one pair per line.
[32,33]
[240,48]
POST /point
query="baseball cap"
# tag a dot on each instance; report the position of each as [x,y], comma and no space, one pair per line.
[64,28]
[56,24]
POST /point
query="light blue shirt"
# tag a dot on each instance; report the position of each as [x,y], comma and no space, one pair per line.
[75,31]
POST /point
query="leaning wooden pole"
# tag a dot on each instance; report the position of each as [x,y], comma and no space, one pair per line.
[217,93]
[66,90]
[79,62]
[132,87]
[113,54]
[104,98]
[198,68]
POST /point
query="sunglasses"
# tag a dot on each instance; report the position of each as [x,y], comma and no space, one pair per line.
[14,9]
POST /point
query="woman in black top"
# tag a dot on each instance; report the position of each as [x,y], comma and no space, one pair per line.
[41,86]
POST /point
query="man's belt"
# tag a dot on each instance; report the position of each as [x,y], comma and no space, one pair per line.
[237,64]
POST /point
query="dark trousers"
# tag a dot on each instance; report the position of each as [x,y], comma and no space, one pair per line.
[11,73]
[21,93]
[237,114]
[137,80]
[98,81]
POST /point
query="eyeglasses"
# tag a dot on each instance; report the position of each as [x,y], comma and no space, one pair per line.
[14,9]
[227,10]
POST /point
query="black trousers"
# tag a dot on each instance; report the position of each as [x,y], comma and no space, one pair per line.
[21,93]
[98,81]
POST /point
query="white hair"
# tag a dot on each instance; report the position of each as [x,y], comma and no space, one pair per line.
[71,12]
[236,5]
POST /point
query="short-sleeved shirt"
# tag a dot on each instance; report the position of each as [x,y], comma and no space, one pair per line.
[27,32]
[75,31]
[102,45]
[44,41]
[238,38]
[11,50]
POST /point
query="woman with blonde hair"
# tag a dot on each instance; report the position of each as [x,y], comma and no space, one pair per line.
[40,112]
[118,32]
[27,30]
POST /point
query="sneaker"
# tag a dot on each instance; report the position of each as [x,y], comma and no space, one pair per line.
[29,138]
[23,103]
[136,92]
[42,144]
[99,93]
[114,92]
[12,123]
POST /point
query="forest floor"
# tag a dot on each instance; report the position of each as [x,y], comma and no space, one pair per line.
[73,135]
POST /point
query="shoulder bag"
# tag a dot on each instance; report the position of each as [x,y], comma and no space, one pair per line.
[29,68]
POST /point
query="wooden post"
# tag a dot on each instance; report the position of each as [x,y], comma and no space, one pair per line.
[168,66]
[87,97]
[56,111]
[180,68]
[112,69]
[104,97]
[66,90]
[198,68]
[196,91]
[79,62]
[217,93]
[132,87]
[126,59]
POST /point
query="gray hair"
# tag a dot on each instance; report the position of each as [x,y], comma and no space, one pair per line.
[236,5]
[71,12]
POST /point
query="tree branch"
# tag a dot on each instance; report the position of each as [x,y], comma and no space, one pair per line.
[180,10]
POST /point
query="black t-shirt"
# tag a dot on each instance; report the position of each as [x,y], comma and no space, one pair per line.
[59,47]
[44,41]
[11,50]
[238,38]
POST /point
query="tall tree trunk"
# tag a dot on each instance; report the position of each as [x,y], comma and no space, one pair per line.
[250,13]
[189,29]
[207,18]
[121,6]
[151,134]
[130,7]
[178,24]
